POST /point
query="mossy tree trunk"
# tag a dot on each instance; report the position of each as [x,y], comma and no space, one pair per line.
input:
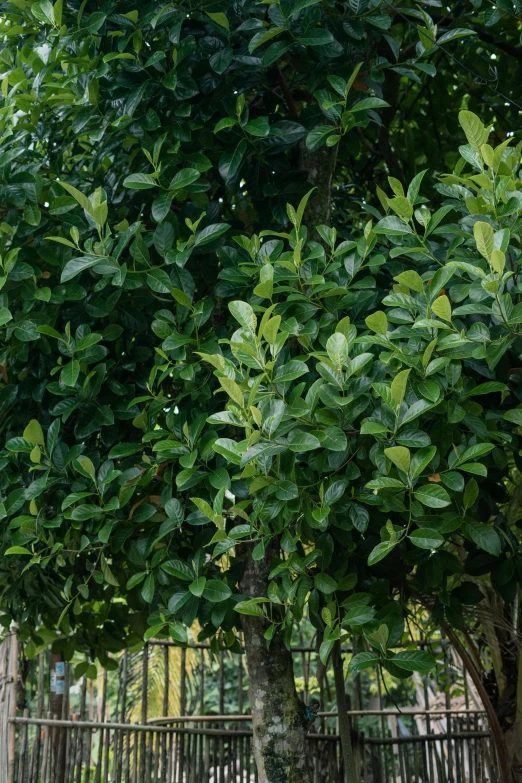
[278,716]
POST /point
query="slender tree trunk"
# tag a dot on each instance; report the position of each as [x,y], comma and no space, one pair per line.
[506,760]
[320,168]
[278,716]
[350,772]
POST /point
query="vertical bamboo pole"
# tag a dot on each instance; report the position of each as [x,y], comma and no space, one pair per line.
[79,736]
[13,664]
[144,711]
[240,686]
[97,774]
[202,684]
[350,774]
[23,749]
[163,738]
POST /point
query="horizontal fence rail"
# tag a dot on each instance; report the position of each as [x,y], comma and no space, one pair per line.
[80,751]
[181,715]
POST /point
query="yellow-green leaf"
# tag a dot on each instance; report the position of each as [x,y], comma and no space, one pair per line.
[233,391]
[343,325]
[265,287]
[87,465]
[498,261]
[80,197]
[181,297]
[107,573]
[270,329]
[400,456]
[411,279]
[442,307]
[401,206]
[485,238]
[398,387]
[475,132]
[377,322]
[488,155]
[219,18]
[33,433]
[204,507]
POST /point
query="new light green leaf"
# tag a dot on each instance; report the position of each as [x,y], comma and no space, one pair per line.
[442,307]
[485,238]
[398,386]
[400,456]
[377,322]
[33,433]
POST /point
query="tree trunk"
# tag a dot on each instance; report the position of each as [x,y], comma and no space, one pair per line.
[278,716]
[320,168]
[350,772]
[506,758]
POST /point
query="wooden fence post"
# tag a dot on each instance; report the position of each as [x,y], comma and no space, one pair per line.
[13,661]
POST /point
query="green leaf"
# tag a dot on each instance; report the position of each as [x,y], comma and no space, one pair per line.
[183,178]
[252,607]
[475,132]
[359,615]
[78,196]
[33,433]
[432,496]
[380,551]
[325,584]
[400,456]
[484,237]
[17,550]
[181,297]
[107,573]
[485,537]
[154,630]
[361,661]
[179,569]
[77,265]
[258,127]
[148,589]
[178,632]
[514,416]
[426,538]
[224,122]
[216,591]
[139,182]
[69,374]
[332,438]
[377,322]
[414,660]
[300,441]
[244,314]
[337,348]
[135,580]
[442,308]
[210,233]
[369,103]
[316,37]
[398,386]
[197,586]
[219,18]
[456,32]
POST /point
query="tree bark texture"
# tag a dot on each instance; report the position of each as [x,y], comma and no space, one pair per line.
[350,772]
[506,757]
[278,716]
[320,169]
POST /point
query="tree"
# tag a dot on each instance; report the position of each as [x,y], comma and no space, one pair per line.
[140,142]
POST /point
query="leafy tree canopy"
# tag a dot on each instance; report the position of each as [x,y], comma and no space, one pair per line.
[187,367]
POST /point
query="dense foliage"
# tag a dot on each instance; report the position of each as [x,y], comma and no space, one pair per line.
[151,266]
